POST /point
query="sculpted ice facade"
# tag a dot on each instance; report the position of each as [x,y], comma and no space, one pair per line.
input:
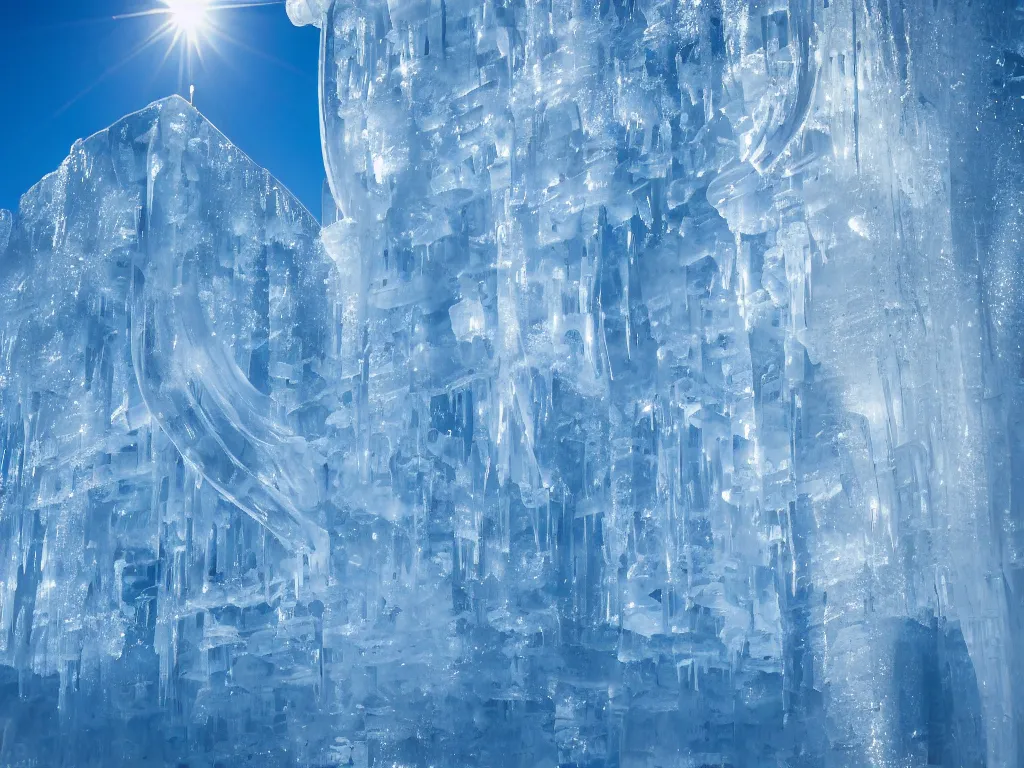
[652,396]
[166,337]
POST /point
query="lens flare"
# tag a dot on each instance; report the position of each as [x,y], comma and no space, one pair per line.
[189,17]
[188,27]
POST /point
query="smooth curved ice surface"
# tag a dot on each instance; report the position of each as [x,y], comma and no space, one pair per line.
[651,397]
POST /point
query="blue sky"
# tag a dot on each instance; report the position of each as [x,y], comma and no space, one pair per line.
[65,74]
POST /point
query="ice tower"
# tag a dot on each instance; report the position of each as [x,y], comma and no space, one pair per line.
[166,335]
[651,397]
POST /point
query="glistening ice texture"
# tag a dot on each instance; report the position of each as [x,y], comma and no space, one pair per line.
[733,297]
[653,396]
[166,340]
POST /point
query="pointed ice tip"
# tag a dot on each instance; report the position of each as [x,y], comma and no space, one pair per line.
[139,122]
[175,99]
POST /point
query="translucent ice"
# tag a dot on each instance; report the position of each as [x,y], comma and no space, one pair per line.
[652,396]
[166,334]
[719,301]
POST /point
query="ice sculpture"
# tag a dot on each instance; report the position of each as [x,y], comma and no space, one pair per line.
[167,343]
[652,396]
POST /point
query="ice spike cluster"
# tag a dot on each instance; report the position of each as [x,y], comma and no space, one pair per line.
[651,397]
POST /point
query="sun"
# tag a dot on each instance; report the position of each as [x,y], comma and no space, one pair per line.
[188,27]
[190,18]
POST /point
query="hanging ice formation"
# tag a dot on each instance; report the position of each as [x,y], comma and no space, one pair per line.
[651,397]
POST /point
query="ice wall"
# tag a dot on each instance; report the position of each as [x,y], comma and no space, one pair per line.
[652,397]
[733,293]
[166,336]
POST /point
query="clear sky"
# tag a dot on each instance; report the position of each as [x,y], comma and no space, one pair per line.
[65,73]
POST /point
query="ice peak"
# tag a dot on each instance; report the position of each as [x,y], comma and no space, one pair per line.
[161,248]
[175,98]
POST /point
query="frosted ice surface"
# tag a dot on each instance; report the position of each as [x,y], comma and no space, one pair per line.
[653,396]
